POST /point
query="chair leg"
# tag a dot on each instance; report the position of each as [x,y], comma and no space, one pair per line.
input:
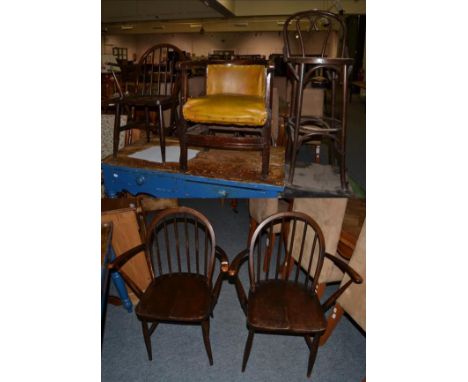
[266,150]
[162,137]
[181,125]
[248,347]
[147,124]
[206,338]
[292,164]
[116,130]
[146,336]
[313,352]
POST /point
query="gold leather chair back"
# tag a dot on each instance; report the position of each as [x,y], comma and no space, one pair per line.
[248,80]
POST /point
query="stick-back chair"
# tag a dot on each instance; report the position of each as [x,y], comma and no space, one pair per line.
[157,88]
[180,250]
[282,302]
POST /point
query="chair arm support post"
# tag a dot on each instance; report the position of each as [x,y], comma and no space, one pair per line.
[233,273]
[131,284]
[237,262]
[223,259]
[355,277]
[124,257]
[332,299]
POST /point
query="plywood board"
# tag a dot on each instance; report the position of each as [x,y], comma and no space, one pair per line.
[127,236]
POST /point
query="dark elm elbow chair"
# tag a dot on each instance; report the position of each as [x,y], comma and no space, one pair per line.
[180,250]
[237,102]
[157,88]
[286,302]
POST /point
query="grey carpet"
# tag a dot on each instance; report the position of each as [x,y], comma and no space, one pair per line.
[178,350]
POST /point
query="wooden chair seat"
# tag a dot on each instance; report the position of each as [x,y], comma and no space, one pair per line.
[278,305]
[135,100]
[176,297]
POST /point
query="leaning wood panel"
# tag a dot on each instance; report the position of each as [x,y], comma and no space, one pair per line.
[126,236]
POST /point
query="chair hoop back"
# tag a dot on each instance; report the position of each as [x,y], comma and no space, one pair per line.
[280,255]
[156,74]
[181,240]
[314,33]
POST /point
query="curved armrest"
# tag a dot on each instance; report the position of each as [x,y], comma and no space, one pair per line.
[237,262]
[121,260]
[124,257]
[356,277]
[223,259]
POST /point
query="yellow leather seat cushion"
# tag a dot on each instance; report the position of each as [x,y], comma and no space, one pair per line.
[226,109]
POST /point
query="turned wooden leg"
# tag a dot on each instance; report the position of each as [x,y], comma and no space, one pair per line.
[116,130]
[147,124]
[266,150]
[206,339]
[313,352]
[183,144]
[248,347]
[332,321]
[162,134]
[146,336]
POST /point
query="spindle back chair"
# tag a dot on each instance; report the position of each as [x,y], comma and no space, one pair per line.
[281,301]
[180,250]
[157,88]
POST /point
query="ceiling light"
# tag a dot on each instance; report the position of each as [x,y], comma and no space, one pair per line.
[195,25]
[126,27]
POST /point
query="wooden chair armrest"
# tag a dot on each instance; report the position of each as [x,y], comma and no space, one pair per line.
[233,273]
[237,262]
[356,277]
[223,259]
[124,257]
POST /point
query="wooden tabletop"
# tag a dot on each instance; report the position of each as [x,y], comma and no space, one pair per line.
[243,166]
